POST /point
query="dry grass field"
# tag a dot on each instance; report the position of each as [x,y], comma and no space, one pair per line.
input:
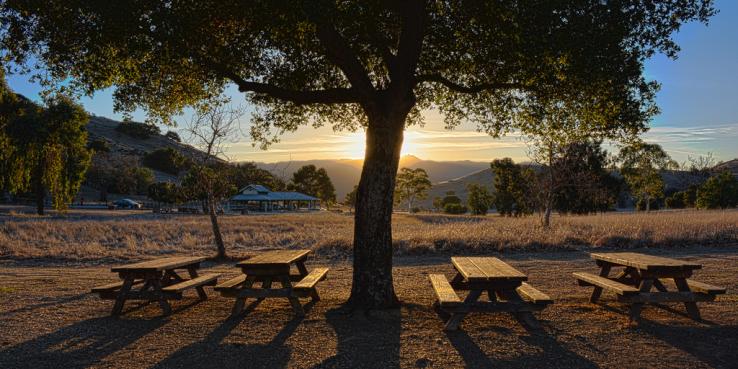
[49,320]
[125,235]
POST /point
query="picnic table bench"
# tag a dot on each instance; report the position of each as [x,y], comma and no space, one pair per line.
[160,282]
[269,267]
[640,274]
[505,287]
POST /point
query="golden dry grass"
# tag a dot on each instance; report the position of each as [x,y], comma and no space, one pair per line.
[132,235]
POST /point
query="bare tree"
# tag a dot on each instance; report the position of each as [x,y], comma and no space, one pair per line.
[209,129]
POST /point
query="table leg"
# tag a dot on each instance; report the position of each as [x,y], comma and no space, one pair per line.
[301,268]
[597,292]
[524,317]
[163,303]
[692,309]
[265,284]
[492,295]
[200,291]
[635,308]
[120,300]
[241,300]
[453,322]
[659,286]
[294,301]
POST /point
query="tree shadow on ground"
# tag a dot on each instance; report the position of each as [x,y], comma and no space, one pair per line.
[46,303]
[213,352]
[550,354]
[365,340]
[707,343]
[79,345]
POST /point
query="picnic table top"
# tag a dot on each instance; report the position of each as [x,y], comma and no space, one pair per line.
[486,269]
[160,264]
[275,258]
[644,262]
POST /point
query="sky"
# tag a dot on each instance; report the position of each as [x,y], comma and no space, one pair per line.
[698,102]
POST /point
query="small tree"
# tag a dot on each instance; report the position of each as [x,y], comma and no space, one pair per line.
[174,136]
[411,185]
[210,127]
[167,160]
[512,190]
[478,199]
[314,182]
[141,131]
[719,191]
[350,199]
[641,165]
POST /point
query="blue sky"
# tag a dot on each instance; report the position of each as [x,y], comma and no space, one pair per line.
[698,100]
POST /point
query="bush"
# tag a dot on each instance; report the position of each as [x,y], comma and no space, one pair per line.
[641,204]
[99,146]
[450,198]
[165,192]
[415,210]
[479,199]
[166,160]
[720,191]
[138,130]
[675,201]
[174,136]
[454,209]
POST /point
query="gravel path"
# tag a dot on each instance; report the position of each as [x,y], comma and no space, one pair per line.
[48,320]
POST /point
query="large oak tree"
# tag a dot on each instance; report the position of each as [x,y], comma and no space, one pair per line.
[372,65]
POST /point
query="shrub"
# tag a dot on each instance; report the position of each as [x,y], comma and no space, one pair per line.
[174,136]
[454,209]
[675,201]
[720,191]
[99,146]
[138,130]
[167,160]
[415,209]
[450,198]
[479,199]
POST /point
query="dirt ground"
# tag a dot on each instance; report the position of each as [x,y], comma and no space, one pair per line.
[49,320]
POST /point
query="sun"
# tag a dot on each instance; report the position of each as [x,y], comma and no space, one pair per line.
[354,145]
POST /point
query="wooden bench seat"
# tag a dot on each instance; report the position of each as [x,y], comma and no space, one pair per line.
[588,279]
[231,284]
[531,294]
[203,280]
[700,287]
[310,280]
[113,286]
[446,295]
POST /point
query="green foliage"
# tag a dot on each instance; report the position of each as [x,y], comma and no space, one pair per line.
[45,148]
[207,183]
[450,198]
[165,192]
[174,136]
[411,185]
[512,190]
[350,199]
[718,192]
[641,166]
[675,201]
[244,174]
[138,130]
[654,204]
[99,146]
[586,185]
[167,160]
[453,208]
[479,199]
[314,182]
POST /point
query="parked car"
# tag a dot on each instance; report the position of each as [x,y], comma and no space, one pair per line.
[126,204]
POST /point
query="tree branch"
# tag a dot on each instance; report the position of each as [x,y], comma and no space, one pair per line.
[472,89]
[326,96]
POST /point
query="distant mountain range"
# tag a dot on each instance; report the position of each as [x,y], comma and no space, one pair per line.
[445,175]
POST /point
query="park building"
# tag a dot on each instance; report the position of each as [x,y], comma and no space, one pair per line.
[258,198]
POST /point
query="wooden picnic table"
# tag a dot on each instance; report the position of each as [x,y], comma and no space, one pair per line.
[159,282]
[269,267]
[505,287]
[640,274]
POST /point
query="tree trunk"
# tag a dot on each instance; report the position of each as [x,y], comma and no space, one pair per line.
[38,189]
[648,203]
[547,216]
[216,229]
[372,286]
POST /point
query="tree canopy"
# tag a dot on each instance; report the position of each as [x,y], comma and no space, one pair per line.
[355,64]
[314,182]
[412,184]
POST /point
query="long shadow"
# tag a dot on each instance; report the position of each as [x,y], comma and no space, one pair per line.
[365,340]
[551,354]
[712,344]
[212,352]
[51,302]
[79,345]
